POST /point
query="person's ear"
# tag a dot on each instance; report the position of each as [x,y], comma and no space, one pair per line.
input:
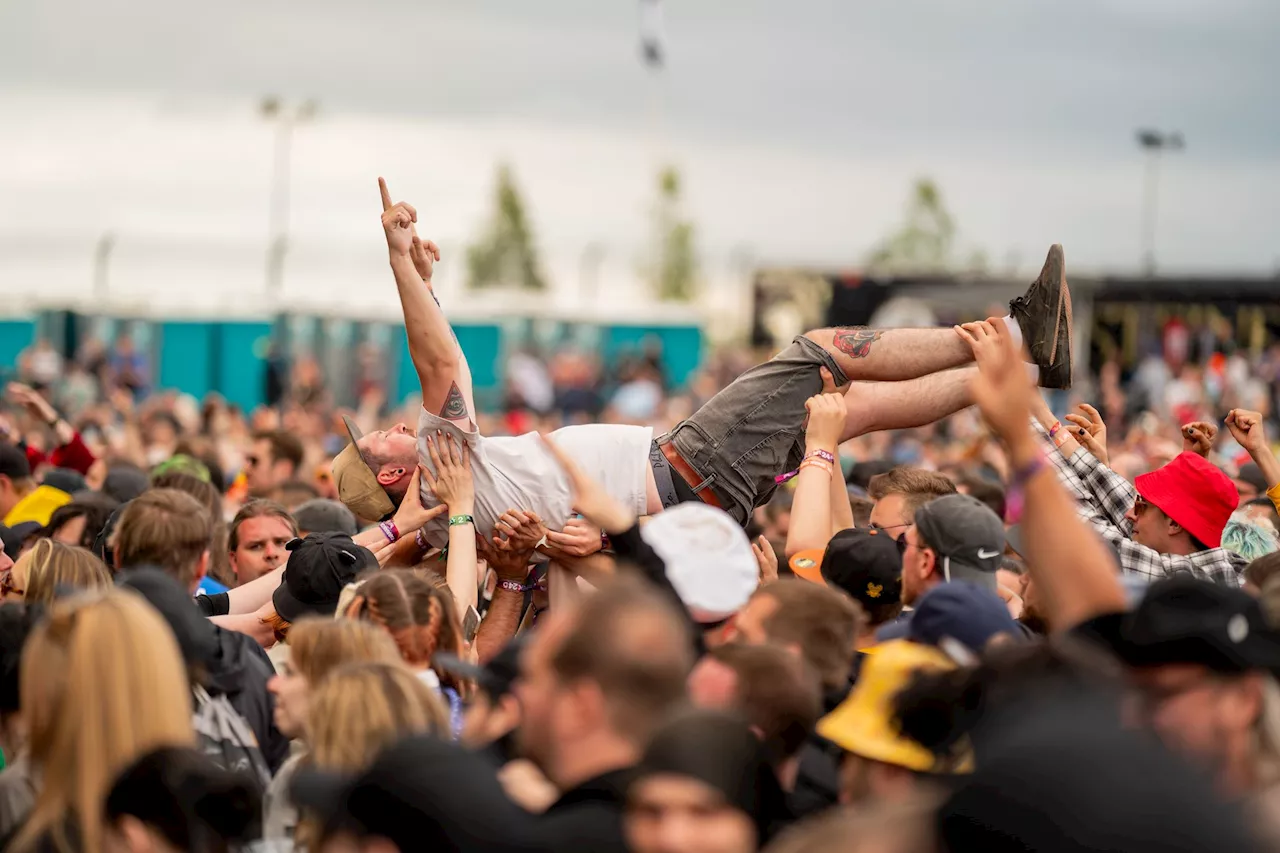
[928,562]
[390,476]
[1242,705]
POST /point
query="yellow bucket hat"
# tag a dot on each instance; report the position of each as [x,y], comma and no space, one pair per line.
[863,723]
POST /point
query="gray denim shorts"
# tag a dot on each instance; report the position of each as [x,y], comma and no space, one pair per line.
[753,430]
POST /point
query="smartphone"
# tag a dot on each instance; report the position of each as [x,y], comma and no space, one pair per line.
[470,623]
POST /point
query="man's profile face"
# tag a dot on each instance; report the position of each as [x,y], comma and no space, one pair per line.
[261,547]
[1150,526]
[890,515]
[538,690]
[395,446]
[259,470]
[915,565]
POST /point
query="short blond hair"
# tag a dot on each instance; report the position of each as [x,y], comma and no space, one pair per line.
[916,485]
[318,646]
[51,565]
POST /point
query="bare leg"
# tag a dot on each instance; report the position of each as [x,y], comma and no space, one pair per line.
[890,355]
[875,406]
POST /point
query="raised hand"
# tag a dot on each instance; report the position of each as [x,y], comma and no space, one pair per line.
[452,483]
[983,338]
[1003,391]
[579,538]
[397,222]
[517,530]
[1246,428]
[425,253]
[412,515]
[766,558]
[1091,431]
[510,565]
[31,400]
[827,415]
[1198,438]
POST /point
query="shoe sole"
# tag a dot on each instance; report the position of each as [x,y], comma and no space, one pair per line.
[1053,274]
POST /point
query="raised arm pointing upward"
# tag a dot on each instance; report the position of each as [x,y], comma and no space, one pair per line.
[432,347]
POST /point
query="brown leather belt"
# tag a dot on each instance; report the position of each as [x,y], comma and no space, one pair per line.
[690,476]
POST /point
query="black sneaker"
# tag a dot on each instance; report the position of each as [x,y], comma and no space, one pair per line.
[1044,315]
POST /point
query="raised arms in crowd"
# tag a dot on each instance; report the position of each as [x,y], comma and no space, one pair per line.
[437,358]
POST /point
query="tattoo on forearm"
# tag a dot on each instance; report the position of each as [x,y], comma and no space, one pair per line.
[856,342]
[455,405]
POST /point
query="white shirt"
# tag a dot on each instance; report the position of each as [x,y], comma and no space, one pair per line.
[518,473]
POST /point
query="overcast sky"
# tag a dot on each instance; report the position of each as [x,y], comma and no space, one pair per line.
[799,125]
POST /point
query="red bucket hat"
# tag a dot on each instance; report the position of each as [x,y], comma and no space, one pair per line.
[1194,493]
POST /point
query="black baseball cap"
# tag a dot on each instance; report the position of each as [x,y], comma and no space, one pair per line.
[1190,621]
[421,794]
[13,462]
[862,561]
[318,569]
[967,536]
[496,678]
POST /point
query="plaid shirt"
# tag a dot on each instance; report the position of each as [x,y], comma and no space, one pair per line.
[1105,498]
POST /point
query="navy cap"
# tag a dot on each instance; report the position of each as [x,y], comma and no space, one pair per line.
[963,612]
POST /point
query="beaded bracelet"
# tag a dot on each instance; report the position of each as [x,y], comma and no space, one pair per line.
[389,530]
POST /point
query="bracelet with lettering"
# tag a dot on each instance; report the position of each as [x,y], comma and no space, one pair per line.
[459,520]
[825,455]
[389,530]
[421,539]
[512,586]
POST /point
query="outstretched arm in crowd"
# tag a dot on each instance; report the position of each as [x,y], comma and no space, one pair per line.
[1071,567]
[1246,428]
[70,451]
[432,346]
[813,503]
[454,488]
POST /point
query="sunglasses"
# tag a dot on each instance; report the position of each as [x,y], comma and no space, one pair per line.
[1141,505]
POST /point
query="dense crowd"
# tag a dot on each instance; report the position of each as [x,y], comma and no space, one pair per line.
[869,594]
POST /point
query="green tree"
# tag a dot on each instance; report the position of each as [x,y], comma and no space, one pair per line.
[674,273]
[925,240]
[505,256]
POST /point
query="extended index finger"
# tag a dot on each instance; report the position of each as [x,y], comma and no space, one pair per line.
[1091,412]
[386,194]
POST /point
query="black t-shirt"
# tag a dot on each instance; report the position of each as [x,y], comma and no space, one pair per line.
[588,818]
[218,604]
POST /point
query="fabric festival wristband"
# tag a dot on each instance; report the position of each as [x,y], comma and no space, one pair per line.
[814,463]
[389,530]
[459,520]
[825,455]
[421,539]
[512,586]
[1053,430]
[1024,474]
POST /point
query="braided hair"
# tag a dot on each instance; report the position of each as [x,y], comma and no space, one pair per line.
[419,617]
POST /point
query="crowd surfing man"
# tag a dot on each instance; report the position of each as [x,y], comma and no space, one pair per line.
[729,454]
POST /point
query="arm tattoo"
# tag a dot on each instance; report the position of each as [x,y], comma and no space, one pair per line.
[856,343]
[455,405]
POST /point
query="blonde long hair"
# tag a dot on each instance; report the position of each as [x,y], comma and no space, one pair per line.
[360,709]
[51,564]
[102,683]
[318,645]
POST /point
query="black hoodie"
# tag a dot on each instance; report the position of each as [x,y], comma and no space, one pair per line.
[229,663]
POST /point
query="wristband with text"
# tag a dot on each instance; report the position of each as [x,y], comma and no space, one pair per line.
[389,530]
[459,520]
[512,586]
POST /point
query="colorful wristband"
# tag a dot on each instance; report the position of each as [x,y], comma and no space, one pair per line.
[389,530]
[421,539]
[1053,430]
[1024,474]
[459,520]
[825,455]
[512,586]
[605,544]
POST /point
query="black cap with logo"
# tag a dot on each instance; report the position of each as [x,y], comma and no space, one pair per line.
[866,564]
